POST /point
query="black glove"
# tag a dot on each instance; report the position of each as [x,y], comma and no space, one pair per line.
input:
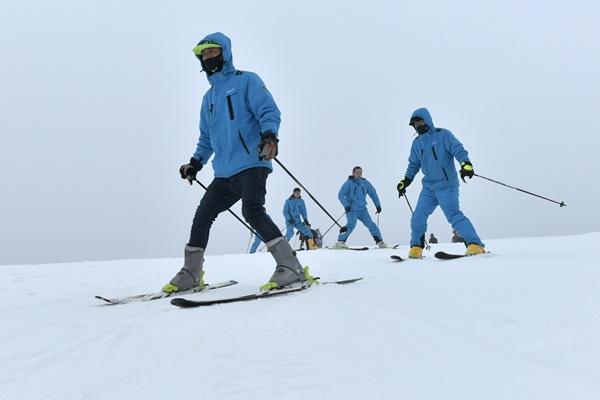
[402,185]
[292,221]
[267,148]
[378,208]
[189,171]
[466,170]
[347,209]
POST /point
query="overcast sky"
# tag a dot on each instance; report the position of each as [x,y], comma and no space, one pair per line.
[100,105]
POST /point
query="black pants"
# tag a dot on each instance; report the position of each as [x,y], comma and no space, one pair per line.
[248,185]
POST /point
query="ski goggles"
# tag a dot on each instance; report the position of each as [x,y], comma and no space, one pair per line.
[203,45]
[416,122]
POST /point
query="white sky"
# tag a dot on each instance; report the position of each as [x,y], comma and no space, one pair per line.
[100,101]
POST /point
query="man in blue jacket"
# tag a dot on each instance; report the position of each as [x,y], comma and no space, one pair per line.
[353,196]
[294,213]
[433,151]
[239,122]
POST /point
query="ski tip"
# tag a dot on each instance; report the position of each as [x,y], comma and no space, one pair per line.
[179,302]
[109,301]
[346,281]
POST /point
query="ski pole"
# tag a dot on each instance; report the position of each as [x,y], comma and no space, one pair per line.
[231,212]
[306,190]
[340,217]
[427,246]
[561,203]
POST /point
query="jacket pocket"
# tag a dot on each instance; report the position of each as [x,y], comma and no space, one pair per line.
[243,143]
[230,107]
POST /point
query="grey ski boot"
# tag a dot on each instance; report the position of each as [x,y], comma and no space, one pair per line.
[288,269]
[191,274]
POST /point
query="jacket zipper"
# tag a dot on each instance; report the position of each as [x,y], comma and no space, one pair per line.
[230,106]
[445,174]
[434,155]
[243,143]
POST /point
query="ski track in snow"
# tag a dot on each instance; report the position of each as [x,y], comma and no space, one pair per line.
[519,323]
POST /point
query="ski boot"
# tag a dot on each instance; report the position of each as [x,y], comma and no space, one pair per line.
[340,245]
[474,249]
[415,252]
[379,242]
[288,270]
[191,274]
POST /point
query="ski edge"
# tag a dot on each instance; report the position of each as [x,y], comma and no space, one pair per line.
[163,295]
[185,303]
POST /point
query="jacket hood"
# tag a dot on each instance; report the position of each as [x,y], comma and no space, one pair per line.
[424,114]
[225,43]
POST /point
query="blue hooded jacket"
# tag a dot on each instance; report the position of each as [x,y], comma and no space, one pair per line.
[433,152]
[353,194]
[235,111]
[294,208]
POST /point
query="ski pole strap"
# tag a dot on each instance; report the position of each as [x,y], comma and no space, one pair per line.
[306,190]
[560,203]
[231,212]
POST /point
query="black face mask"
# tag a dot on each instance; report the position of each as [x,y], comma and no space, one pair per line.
[213,65]
[422,129]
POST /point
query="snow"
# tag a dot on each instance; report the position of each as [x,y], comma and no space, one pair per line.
[520,323]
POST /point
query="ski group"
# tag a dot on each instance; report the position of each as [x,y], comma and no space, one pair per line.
[239,129]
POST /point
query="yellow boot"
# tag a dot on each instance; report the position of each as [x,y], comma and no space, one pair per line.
[474,249]
[415,252]
[311,244]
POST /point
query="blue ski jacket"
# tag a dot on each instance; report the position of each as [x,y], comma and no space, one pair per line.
[433,152]
[294,208]
[235,111]
[353,194]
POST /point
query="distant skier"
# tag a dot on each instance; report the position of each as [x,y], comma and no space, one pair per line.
[432,239]
[255,244]
[353,196]
[239,121]
[257,241]
[456,238]
[432,152]
[294,213]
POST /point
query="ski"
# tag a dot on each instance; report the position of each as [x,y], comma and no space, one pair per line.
[350,248]
[397,258]
[163,295]
[185,303]
[442,255]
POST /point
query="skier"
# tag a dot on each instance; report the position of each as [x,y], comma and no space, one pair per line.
[432,152]
[432,239]
[257,241]
[353,196]
[239,123]
[294,213]
[456,238]
[255,244]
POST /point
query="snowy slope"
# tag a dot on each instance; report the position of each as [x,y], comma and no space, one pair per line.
[520,323]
